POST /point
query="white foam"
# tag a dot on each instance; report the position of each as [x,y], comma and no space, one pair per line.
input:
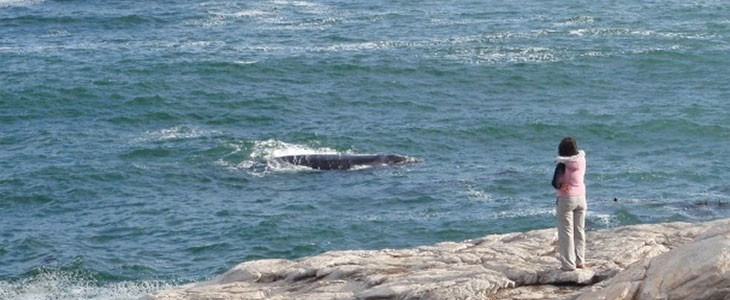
[272,148]
[306,6]
[245,62]
[474,193]
[609,32]
[450,22]
[501,55]
[250,13]
[464,48]
[215,20]
[525,212]
[637,32]
[655,49]
[361,167]
[409,215]
[579,32]
[604,219]
[175,133]
[57,33]
[346,47]
[63,285]
[15,3]
[262,153]
[479,195]
[578,20]
[277,15]
[223,163]
[594,54]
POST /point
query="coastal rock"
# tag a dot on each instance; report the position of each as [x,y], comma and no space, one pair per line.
[641,261]
[697,270]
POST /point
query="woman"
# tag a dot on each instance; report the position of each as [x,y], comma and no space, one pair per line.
[571,203]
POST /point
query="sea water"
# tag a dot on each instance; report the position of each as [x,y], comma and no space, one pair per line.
[135,136]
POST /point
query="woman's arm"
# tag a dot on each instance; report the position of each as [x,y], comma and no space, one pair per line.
[558,175]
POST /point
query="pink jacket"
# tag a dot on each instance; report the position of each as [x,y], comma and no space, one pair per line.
[575,171]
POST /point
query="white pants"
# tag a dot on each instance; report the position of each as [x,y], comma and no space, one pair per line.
[571,213]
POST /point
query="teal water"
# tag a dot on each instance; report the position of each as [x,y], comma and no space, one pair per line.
[134,136]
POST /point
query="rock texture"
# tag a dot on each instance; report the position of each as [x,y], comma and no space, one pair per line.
[660,261]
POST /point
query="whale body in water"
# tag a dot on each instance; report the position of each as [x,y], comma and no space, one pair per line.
[344,161]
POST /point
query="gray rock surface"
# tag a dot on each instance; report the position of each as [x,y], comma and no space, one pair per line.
[659,261]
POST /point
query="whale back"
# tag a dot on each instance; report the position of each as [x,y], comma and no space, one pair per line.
[341,161]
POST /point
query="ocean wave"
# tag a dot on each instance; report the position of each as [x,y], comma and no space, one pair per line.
[471,48]
[245,62]
[464,48]
[700,210]
[525,212]
[278,15]
[61,285]
[578,20]
[595,53]
[471,44]
[304,6]
[117,46]
[451,22]
[83,20]
[250,13]
[15,3]
[473,192]
[506,55]
[678,128]
[639,32]
[603,220]
[406,215]
[610,32]
[181,132]
[344,47]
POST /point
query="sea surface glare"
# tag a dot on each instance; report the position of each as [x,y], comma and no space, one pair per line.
[135,137]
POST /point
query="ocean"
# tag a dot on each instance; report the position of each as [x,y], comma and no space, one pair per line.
[136,137]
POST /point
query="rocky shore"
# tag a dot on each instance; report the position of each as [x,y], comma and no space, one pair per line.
[659,261]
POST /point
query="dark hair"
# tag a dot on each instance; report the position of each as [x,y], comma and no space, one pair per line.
[567,147]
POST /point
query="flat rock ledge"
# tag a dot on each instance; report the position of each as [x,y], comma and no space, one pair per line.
[657,261]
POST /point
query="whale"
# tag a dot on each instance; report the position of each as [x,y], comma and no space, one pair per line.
[344,161]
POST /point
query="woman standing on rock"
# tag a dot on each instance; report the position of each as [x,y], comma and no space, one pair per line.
[571,203]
